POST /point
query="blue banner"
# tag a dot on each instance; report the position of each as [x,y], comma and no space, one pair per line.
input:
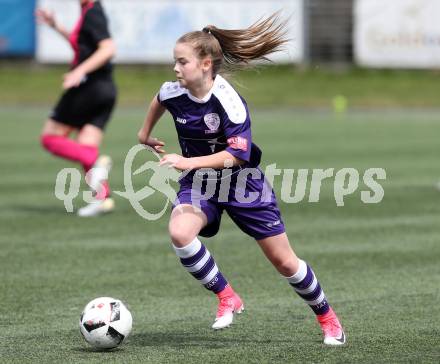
[17,27]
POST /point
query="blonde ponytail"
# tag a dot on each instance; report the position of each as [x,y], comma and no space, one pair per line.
[237,47]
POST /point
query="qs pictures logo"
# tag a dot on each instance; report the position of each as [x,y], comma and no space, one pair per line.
[159,182]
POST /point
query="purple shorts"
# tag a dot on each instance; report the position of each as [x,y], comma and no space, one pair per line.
[260,218]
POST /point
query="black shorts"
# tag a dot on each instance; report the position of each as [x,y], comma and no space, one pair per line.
[92,102]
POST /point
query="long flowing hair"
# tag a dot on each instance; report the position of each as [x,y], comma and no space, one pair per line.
[237,47]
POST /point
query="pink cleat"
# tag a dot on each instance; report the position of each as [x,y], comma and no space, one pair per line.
[332,329]
[229,303]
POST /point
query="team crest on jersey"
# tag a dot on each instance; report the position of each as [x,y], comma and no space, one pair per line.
[212,121]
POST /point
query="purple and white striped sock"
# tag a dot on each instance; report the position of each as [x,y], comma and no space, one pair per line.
[199,262]
[307,286]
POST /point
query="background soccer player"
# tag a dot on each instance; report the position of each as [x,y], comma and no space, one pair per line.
[87,103]
[213,126]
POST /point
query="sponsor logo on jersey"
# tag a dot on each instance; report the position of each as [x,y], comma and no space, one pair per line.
[238,142]
[181,120]
[212,121]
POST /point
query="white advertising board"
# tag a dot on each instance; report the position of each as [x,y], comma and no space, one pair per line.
[397,33]
[146,31]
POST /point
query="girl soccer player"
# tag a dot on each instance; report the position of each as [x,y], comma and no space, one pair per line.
[213,127]
[87,103]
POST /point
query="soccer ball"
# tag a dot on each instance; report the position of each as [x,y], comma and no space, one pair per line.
[105,322]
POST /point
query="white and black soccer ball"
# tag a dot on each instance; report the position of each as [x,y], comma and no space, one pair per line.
[105,323]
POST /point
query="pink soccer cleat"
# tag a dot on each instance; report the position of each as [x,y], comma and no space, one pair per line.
[229,303]
[332,329]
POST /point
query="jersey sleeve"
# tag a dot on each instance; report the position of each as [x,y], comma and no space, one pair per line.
[162,92]
[95,24]
[168,91]
[238,137]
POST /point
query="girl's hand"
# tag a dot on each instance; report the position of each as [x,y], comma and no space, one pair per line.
[45,17]
[151,142]
[176,161]
[73,79]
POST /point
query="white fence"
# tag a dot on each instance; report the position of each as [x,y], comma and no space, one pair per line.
[145,31]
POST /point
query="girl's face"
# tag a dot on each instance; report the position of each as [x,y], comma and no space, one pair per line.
[190,70]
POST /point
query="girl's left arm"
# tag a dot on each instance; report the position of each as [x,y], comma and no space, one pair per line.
[218,160]
[105,51]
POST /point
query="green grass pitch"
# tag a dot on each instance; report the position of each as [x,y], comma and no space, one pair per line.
[379,264]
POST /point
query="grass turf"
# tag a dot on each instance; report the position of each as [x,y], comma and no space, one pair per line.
[27,83]
[378,264]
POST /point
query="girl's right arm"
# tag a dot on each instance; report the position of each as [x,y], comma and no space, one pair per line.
[47,17]
[155,111]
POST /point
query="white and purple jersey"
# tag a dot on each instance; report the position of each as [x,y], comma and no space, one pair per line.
[220,121]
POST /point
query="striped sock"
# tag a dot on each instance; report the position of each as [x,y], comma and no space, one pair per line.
[307,286]
[198,261]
